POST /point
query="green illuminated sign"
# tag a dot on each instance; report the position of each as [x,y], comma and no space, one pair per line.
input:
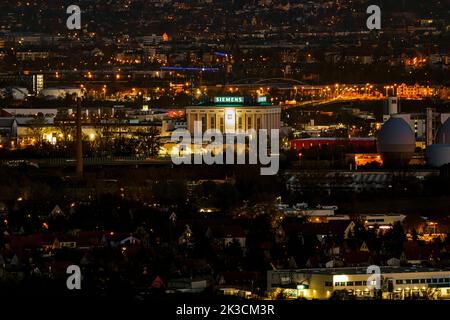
[229,100]
[302,286]
[262,99]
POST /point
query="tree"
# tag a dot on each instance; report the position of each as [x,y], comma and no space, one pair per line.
[394,240]
[171,193]
[104,140]
[37,127]
[398,233]
[234,249]
[414,234]
[148,142]
[68,131]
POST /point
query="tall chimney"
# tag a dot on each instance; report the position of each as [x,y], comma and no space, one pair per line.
[79,137]
[429,126]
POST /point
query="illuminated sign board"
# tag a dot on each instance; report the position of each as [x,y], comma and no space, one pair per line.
[262,99]
[229,100]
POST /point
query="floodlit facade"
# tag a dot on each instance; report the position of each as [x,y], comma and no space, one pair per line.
[382,220]
[397,283]
[414,91]
[234,115]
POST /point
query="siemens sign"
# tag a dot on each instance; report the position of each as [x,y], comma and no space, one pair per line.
[229,100]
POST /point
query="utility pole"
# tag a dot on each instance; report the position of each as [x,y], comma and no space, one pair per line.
[79,137]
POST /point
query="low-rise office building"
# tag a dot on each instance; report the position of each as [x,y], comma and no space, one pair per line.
[395,283]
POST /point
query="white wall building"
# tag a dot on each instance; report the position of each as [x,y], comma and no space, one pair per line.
[395,282]
[382,220]
[234,115]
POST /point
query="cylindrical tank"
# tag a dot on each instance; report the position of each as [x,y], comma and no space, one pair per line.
[438,154]
[396,142]
[443,133]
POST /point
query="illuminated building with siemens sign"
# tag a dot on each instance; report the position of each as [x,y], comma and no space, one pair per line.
[234,114]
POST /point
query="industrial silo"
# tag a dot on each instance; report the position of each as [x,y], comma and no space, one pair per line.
[443,133]
[438,154]
[396,142]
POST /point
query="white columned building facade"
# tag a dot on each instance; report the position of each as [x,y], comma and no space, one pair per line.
[234,115]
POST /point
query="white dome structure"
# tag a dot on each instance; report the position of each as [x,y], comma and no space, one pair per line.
[443,133]
[438,155]
[396,142]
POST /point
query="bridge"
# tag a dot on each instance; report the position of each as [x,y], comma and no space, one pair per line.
[273,83]
[319,94]
[324,102]
[87,162]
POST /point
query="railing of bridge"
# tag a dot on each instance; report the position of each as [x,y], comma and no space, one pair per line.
[66,162]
